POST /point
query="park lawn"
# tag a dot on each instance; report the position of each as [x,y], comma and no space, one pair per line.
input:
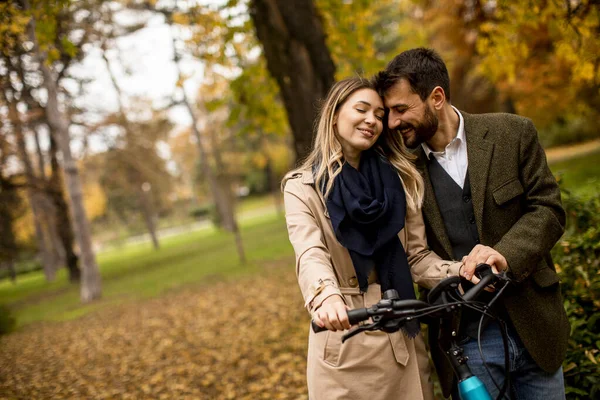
[138,272]
[579,175]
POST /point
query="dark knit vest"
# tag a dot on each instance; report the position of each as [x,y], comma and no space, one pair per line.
[456,208]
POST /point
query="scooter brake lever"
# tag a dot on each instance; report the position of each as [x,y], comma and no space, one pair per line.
[361,328]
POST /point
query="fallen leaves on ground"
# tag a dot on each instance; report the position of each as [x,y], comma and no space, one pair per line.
[231,340]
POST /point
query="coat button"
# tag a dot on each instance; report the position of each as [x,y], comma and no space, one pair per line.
[353,282]
[466,199]
[472,220]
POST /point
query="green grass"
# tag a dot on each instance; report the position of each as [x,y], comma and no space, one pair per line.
[580,175]
[255,203]
[137,272]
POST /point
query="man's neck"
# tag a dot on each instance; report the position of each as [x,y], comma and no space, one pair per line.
[448,122]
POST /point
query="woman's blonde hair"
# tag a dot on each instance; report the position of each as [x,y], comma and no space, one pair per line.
[326,158]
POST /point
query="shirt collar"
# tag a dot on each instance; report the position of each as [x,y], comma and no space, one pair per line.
[460,133]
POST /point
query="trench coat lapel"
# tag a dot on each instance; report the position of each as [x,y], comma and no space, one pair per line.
[431,211]
[308,179]
[479,153]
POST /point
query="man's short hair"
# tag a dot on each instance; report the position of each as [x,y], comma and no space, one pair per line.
[423,68]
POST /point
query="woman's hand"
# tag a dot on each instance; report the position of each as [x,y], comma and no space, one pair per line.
[333,314]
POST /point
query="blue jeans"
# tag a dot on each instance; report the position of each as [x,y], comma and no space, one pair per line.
[527,380]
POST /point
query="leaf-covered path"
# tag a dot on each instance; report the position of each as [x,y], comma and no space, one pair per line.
[228,340]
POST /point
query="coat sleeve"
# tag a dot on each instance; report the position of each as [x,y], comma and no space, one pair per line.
[314,269]
[543,221]
[427,268]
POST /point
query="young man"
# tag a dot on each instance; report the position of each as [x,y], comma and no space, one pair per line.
[489,197]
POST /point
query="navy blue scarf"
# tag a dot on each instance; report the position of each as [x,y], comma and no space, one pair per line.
[367,209]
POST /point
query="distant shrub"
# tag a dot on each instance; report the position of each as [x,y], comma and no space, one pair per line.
[7,320]
[23,266]
[257,181]
[577,258]
[569,132]
[215,217]
[202,212]
[207,211]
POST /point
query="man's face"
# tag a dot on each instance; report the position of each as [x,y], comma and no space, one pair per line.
[409,116]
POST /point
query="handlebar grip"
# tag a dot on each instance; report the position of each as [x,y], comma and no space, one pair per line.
[477,289]
[354,316]
[316,328]
[357,315]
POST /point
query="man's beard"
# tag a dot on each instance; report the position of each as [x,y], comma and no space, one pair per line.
[422,131]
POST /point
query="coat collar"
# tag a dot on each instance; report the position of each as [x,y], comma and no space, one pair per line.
[306,178]
[479,154]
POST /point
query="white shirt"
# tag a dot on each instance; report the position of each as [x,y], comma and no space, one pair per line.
[454,157]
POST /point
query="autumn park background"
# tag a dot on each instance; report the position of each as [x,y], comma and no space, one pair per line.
[143,249]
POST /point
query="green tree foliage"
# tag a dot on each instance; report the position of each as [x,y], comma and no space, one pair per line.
[363,36]
[13,22]
[133,163]
[545,55]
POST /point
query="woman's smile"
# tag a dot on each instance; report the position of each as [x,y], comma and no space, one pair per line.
[369,133]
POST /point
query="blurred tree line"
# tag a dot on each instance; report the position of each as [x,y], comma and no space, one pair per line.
[265,67]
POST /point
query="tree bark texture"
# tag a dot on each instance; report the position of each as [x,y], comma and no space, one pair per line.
[148,214]
[39,209]
[293,39]
[8,242]
[90,275]
[64,225]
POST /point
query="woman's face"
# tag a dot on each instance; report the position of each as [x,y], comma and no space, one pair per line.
[359,122]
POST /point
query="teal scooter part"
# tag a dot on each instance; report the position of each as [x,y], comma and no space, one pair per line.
[473,389]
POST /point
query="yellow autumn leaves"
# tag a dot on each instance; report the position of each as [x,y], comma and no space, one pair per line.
[231,340]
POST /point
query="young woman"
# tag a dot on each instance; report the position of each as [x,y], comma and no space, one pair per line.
[354,220]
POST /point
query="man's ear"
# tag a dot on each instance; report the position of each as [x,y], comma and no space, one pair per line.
[437,97]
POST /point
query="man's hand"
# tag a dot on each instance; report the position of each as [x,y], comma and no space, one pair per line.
[332,314]
[482,255]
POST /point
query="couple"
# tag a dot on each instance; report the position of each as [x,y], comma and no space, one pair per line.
[363,218]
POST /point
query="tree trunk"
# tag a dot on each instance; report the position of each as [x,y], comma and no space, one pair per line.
[56,245]
[148,215]
[48,260]
[40,155]
[8,242]
[220,190]
[90,275]
[297,56]
[64,225]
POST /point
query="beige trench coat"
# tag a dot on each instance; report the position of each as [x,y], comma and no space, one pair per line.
[371,365]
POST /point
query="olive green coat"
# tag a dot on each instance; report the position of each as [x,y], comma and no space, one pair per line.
[517,206]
